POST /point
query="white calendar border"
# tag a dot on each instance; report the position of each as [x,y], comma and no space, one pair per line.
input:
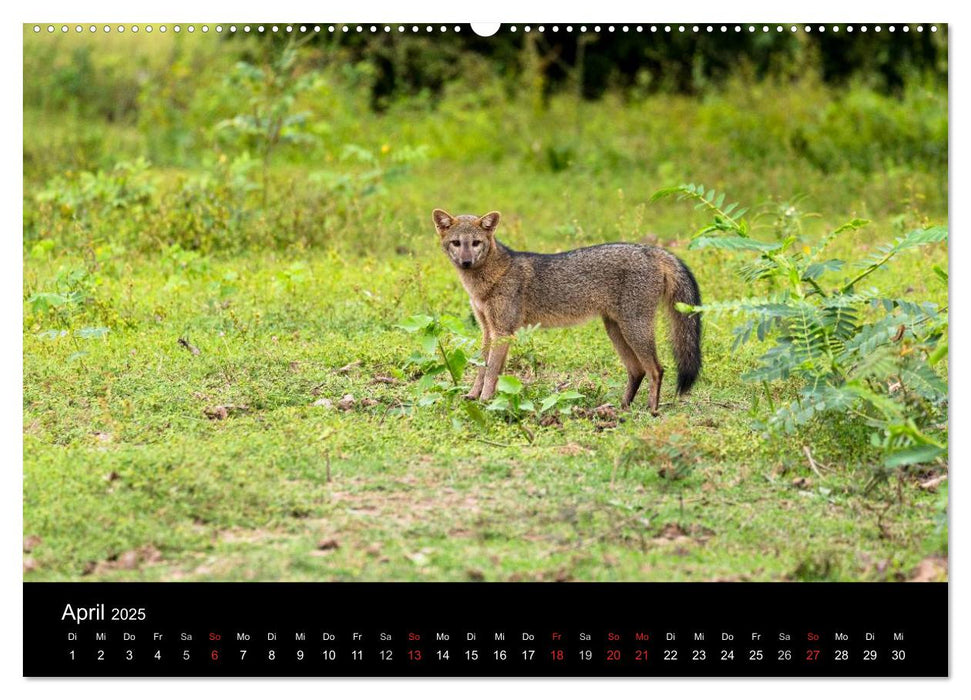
[454,12]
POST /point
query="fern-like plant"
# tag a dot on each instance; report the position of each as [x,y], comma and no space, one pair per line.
[854,349]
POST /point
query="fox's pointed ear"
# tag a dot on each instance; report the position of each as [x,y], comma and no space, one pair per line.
[489,222]
[443,220]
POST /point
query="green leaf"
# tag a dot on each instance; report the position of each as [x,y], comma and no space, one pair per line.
[42,301]
[52,334]
[429,379]
[816,269]
[852,224]
[42,248]
[91,332]
[499,403]
[509,384]
[668,192]
[939,353]
[429,399]
[919,237]
[476,413]
[823,243]
[413,324]
[354,152]
[429,342]
[887,406]
[733,243]
[548,403]
[453,324]
[526,405]
[922,379]
[457,362]
[916,454]
[878,364]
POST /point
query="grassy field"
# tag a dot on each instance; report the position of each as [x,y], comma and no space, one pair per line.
[232,456]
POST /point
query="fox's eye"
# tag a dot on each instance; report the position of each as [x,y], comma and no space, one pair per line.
[456,244]
[476,244]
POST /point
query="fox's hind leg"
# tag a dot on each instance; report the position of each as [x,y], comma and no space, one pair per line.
[639,334]
[635,373]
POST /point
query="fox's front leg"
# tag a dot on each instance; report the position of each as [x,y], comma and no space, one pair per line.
[502,322]
[486,342]
[497,358]
[481,373]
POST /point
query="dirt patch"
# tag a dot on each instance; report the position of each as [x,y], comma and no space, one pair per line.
[676,534]
[929,569]
[223,412]
[126,561]
[571,449]
[603,417]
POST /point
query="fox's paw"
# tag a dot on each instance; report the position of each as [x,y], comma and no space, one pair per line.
[471,396]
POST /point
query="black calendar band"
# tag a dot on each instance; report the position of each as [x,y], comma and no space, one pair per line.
[485,629]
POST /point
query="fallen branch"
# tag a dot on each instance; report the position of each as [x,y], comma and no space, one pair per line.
[723,404]
[812,462]
[189,346]
[499,444]
[932,484]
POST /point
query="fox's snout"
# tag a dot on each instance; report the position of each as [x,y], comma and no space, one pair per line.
[466,264]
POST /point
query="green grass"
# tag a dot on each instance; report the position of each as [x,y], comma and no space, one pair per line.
[131,472]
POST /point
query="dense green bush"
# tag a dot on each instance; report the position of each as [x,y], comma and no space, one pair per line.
[854,350]
[227,125]
[866,131]
[467,97]
[222,208]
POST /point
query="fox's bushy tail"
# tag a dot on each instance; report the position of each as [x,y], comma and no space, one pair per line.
[685,328]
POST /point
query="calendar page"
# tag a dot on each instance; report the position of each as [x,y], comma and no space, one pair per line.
[524,349]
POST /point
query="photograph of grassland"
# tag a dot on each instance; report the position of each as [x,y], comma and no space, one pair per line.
[245,352]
